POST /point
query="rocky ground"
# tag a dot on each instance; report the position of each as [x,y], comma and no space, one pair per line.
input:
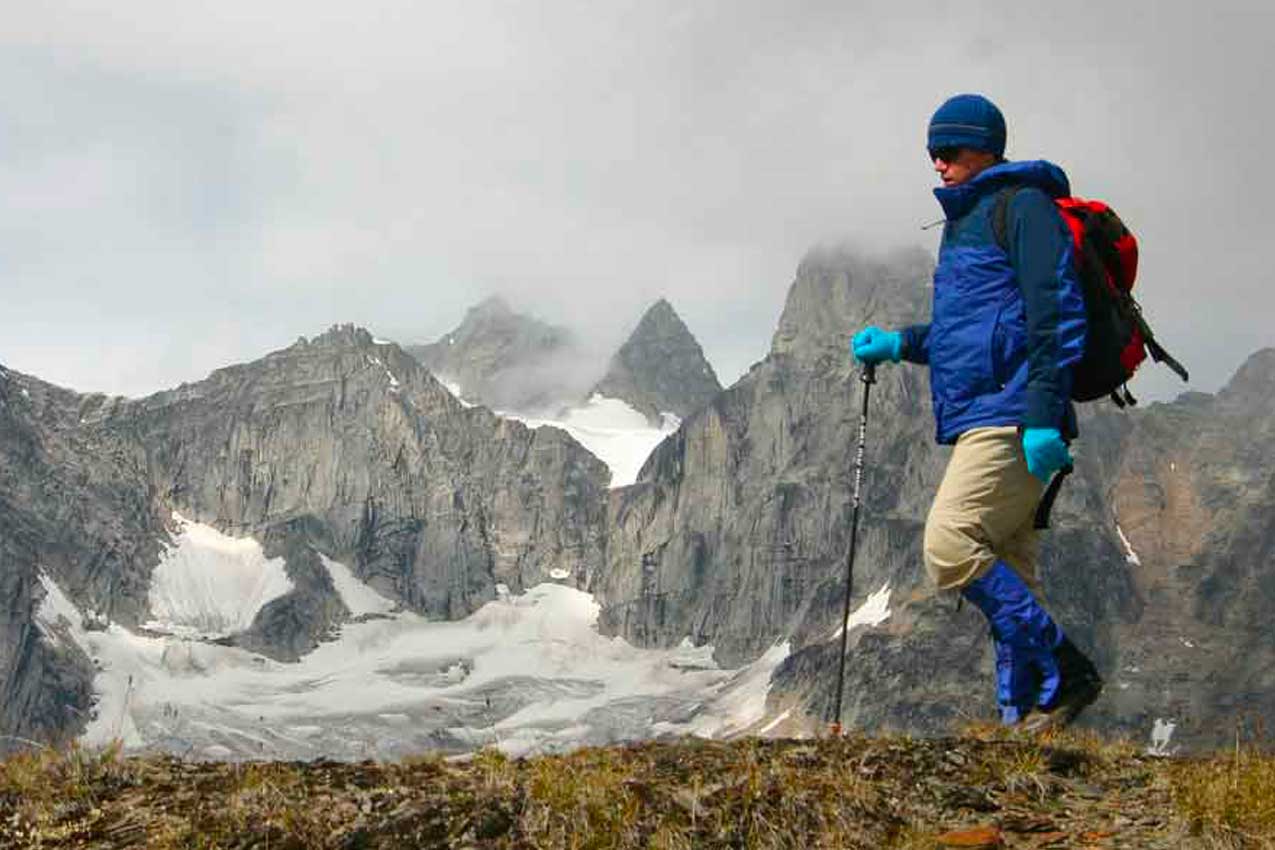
[981,789]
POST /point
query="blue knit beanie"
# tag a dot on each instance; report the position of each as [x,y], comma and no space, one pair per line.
[968,121]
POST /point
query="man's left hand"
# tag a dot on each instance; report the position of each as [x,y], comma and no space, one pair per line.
[1046,452]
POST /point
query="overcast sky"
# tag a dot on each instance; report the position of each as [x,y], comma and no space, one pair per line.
[186,185]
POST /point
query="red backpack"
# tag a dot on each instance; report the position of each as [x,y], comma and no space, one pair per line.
[1117,337]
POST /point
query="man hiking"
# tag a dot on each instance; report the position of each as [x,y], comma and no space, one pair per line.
[1008,324]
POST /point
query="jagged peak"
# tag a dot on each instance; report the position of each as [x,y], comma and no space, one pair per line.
[344,335]
[658,318]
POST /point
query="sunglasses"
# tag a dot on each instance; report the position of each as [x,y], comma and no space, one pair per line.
[948,153]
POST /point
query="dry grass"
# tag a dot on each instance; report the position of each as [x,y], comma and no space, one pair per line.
[889,792]
[1229,799]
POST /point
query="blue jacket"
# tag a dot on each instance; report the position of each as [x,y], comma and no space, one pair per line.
[1006,326]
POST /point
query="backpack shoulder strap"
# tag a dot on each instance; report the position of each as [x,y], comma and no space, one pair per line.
[1000,216]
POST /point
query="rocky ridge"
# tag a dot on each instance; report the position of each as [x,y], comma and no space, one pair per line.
[337,446]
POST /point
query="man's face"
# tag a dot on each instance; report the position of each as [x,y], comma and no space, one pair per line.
[957,165]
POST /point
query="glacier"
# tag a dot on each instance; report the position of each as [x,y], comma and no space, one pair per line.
[525,673]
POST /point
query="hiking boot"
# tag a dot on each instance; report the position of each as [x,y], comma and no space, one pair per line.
[1079,687]
[1028,669]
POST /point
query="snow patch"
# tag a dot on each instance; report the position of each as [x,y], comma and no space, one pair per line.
[211,585]
[376,361]
[559,574]
[1161,736]
[874,611]
[612,431]
[1129,555]
[56,612]
[357,596]
[454,388]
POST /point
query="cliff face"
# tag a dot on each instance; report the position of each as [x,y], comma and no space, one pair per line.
[1191,486]
[1161,561]
[336,446]
[660,368]
[76,505]
[736,531]
[354,447]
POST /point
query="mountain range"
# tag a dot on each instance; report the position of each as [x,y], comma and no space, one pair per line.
[514,362]
[345,449]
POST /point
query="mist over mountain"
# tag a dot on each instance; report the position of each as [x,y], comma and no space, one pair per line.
[512,361]
[508,360]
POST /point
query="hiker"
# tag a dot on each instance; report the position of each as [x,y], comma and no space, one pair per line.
[1008,324]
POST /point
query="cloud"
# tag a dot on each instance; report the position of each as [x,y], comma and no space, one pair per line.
[190,186]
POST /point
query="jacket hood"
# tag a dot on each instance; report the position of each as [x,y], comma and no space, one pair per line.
[1037,173]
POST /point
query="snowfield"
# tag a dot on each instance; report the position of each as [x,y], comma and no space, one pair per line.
[612,431]
[211,585]
[609,428]
[526,673]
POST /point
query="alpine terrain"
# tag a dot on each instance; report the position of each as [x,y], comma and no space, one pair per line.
[326,552]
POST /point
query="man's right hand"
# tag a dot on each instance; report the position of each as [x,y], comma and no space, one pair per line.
[873,345]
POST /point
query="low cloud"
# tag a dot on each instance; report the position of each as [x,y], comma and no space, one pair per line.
[190,187]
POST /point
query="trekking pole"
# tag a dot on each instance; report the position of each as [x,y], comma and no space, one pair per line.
[869,377]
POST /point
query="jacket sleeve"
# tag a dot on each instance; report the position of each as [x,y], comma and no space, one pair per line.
[1040,250]
[916,344]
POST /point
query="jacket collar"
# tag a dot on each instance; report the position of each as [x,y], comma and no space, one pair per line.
[1049,178]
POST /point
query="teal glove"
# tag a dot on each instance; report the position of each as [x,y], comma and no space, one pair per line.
[1046,452]
[873,345]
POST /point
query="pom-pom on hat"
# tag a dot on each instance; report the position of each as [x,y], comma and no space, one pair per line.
[968,121]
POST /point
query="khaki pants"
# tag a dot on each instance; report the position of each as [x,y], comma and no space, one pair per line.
[983,510]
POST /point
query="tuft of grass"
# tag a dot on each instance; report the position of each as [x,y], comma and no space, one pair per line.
[55,793]
[1230,799]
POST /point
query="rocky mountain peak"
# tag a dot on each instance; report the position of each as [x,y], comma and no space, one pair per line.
[1254,382]
[342,336]
[839,288]
[661,367]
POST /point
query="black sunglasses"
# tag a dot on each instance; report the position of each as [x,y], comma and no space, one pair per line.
[948,153]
